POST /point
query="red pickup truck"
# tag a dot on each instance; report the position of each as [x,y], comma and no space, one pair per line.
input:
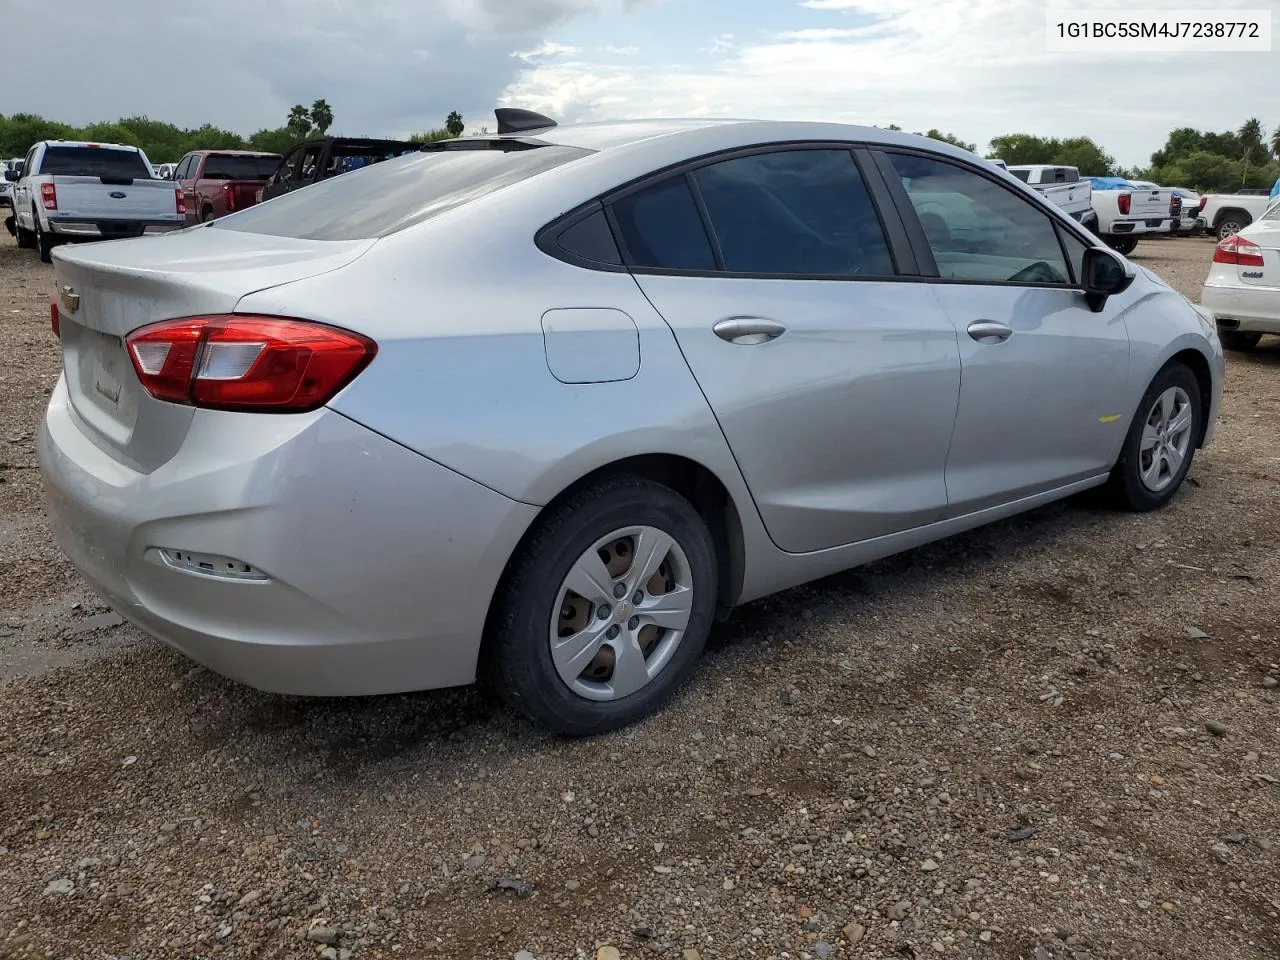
[218,182]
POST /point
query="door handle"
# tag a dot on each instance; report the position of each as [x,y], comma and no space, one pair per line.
[748,330]
[988,331]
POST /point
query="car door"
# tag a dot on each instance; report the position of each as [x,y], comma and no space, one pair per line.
[22,193]
[835,382]
[286,174]
[1043,383]
[184,177]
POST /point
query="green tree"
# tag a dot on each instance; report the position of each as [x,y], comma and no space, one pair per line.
[453,123]
[935,134]
[1275,143]
[321,116]
[279,140]
[431,136]
[299,121]
[1080,152]
[1252,136]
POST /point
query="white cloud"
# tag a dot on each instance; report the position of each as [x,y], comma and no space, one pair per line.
[976,68]
[622,51]
[545,51]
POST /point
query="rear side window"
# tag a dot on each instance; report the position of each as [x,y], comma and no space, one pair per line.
[388,197]
[1023,175]
[794,212]
[661,227]
[94,162]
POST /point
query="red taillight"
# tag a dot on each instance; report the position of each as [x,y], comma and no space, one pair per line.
[229,192]
[1235,249]
[54,323]
[1123,202]
[1175,205]
[1200,205]
[49,194]
[232,362]
[182,201]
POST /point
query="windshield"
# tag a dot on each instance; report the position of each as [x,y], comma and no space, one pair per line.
[95,162]
[387,197]
[220,166]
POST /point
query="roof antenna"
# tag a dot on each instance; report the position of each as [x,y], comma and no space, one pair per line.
[515,120]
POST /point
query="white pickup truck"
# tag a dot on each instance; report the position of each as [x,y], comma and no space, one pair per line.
[1127,213]
[1228,213]
[1062,187]
[74,191]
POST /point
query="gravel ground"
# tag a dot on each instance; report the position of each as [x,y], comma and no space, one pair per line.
[1052,738]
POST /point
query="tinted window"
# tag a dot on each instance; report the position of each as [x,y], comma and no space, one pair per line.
[94,162]
[1075,253]
[230,167]
[1023,175]
[591,239]
[661,227]
[180,171]
[798,212]
[979,230]
[395,194]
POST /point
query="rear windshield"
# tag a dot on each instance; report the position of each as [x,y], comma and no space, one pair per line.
[221,167]
[387,197]
[94,162]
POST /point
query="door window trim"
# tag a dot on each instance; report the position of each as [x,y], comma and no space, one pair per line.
[896,241]
[929,272]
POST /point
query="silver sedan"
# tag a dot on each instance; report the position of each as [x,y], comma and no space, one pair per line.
[537,407]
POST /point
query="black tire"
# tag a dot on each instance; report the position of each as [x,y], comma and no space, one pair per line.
[44,242]
[1125,486]
[517,660]
[1231,222]
[1238,340]
[1122,245]
[26,239]
[206,214]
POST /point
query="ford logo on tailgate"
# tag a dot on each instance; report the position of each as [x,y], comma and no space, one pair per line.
[118,194]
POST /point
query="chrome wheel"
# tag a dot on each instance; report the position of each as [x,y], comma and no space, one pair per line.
[1166,439]
[621,613]
[1229,227]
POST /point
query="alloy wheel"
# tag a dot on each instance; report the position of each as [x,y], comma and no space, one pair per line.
[1166,439]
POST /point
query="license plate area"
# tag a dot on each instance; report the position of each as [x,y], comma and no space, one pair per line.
[104,386]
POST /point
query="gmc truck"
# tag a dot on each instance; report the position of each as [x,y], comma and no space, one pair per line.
[72,191]
[1062,187]
[1228,213]
[1127,213]
[217,182]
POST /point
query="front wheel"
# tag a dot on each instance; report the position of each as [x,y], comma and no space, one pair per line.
[44,242]
[1238,340]
[606,608]
[1122,245]
[26,239]
[1161,441]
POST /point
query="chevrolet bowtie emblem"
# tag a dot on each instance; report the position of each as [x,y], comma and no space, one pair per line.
[69,299]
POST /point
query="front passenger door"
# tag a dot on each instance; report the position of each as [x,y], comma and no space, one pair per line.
[1042,397]
[834,380]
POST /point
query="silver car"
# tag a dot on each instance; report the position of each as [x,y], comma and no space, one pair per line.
[538,407]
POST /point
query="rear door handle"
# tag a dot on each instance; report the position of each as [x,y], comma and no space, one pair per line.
[748,330]
[988,331]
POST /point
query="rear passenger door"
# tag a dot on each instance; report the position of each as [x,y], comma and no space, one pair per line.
[835,382]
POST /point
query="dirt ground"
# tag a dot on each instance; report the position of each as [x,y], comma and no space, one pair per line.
[1056,737]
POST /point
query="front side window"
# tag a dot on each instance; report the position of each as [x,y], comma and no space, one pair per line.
[977,229]
[794,212]
[661,227]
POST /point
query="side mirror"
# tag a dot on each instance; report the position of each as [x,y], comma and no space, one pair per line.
[12,176]
[1106,273]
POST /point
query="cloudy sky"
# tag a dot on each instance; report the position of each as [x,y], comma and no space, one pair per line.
[977,68]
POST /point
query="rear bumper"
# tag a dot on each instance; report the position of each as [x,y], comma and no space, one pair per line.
[80,228]
[1246,309]
[371,567]
[1135,227]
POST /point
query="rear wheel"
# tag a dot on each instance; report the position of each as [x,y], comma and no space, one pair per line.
[606,608]
[206,214]
[44,242]
[1232,222]
[1238,340]
[1122,245]
[1161,441]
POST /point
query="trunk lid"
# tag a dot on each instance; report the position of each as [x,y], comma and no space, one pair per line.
[1149,204]
[107,198]
[107,290]
[1266,234]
